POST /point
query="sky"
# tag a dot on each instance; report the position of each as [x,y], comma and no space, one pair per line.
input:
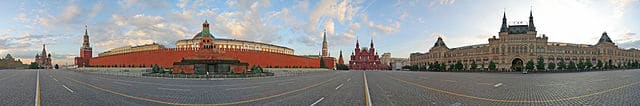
[399,27]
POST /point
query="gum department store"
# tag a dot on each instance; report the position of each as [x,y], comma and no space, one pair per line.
[517,44]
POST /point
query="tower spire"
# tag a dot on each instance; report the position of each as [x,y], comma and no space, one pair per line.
[324,37]
[85,40]
[532,27]
[325,49]
[357,42]
[371,42]
[504,27]
[44,51]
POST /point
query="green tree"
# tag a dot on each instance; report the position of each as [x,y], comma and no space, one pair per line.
[571,65]
[540,65]
[156,68]
[452,67]
[492,66]
[459,66]
[322,64]
[588,64]
[551,66]
[443,66]
[474,66]
[33,65]
[530,65]
[562,65]
[435,66]
[580,65]
[345,67]
[599,64]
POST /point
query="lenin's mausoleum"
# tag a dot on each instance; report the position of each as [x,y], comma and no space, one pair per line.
[203,53]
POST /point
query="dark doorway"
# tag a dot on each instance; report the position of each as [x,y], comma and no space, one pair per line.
[516,64]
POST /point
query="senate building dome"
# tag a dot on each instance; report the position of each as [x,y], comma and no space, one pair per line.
[205,33]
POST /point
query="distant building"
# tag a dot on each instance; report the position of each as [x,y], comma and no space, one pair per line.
[398,63]
[518,44]
[43,60]
[8,62]
[365,59]
[386,59]
[129,49]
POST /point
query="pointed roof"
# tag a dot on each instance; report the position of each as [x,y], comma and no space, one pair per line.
[324,37]
[357,43]
[440,43]
[44,50]
[604,38]
[371,42]
[86,32]
[8,57]
[504,27]
[532,27]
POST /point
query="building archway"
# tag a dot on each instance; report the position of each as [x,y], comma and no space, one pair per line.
[517,64]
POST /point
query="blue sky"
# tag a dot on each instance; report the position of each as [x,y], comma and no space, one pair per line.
[399,27]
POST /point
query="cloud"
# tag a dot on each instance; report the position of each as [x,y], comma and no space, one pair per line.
[182,3]
[394,27]
[69,15]
[621,6]
[95,10]
[144,4]
[631,44]
[250,22]
[447,2]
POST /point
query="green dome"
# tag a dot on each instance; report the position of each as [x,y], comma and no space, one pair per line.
[205,33]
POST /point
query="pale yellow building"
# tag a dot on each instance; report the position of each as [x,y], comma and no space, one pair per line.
[236,44]
[517,44]
[128,49]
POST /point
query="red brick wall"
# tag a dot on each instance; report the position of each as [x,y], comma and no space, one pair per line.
[166,57]
[188,69]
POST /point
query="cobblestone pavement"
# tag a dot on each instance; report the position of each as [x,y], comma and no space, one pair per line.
[384,88]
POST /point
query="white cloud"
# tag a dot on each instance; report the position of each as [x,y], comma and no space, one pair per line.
[447,2]
[69,15]
[144,4]
[394,27]
[621,6]
[182,3]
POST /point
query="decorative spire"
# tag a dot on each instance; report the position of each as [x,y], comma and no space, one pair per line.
[357,43]
[86,32]
[44,51]
[504,27]
[205,26]
[85,40]
[532,27]
[371,43]
[340,59]
[324,38]
[325,50]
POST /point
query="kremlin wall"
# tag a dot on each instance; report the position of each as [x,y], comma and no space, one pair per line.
[248,53]
[166,58]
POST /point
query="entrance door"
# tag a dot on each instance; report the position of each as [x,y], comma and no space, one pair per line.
[516,64]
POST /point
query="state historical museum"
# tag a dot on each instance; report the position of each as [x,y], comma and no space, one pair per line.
[365,59]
